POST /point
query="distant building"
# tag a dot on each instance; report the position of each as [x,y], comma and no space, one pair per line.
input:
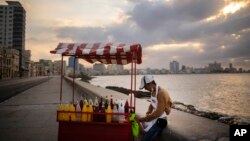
[38,70]
[231,68]
[35,69]
[155,71]
[163,71]
[15,63]
[174,67]
[240,70]
[46,66]
[189,70]
[58,68]
[32,70]
[82,69]
[99,68]
[148,71]
[200,70]
[115,69]
[9,63]
[215,67]
[26,66]
[183,68]
[12,29]
[71,64]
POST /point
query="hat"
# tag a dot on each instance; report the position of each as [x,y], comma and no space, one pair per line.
[145,80]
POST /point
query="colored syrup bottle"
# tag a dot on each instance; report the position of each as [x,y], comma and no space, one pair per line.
[115,111]
[102,115]
[60,114]
[126,107]
[95,109]
[109,114]
[78,112]
[126,110]
[121,111]
[66,112]
[84,114]
[111,102]
[72,114]
[81,103]
[90,113]
[96,103]
[91,102]
[106,104]
[100,103]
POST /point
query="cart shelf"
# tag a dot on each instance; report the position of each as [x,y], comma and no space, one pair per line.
[94,130]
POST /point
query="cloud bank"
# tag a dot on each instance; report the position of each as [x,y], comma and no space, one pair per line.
[193,32]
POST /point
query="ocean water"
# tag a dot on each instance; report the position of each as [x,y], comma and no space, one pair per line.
[227,94]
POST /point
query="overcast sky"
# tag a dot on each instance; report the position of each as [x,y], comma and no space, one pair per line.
[193,32]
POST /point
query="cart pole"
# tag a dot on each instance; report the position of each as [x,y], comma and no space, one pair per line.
[132,73]
[135,81]
[74,80]
[61,80]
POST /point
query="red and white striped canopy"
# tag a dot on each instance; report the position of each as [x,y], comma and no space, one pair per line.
[106,53]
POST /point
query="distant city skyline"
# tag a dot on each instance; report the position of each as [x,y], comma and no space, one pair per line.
[114,69]
[194,33]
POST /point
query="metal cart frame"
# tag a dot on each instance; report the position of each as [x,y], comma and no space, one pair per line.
[95,131]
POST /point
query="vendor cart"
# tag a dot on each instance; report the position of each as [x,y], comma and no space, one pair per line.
[106,53]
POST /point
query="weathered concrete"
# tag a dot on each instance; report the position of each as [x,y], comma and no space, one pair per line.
[9,88]
[31,115]
[182,126]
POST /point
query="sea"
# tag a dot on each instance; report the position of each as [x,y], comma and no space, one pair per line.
[227,94]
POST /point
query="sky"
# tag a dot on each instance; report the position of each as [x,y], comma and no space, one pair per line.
[192,32]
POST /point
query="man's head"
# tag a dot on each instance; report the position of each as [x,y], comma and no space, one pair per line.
[147,82]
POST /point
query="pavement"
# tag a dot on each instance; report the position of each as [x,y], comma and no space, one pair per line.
[11,87]
[31,115]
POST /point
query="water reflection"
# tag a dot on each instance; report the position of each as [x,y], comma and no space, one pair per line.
[223,93]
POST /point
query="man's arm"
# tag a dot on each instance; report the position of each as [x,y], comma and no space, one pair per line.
[150,109]
[159,109]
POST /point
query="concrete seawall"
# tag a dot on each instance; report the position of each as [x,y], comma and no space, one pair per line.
[182,126]
[12,87]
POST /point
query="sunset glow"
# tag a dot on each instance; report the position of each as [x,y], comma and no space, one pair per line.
[191,45]
[234,7]
[230,7]
[193,31]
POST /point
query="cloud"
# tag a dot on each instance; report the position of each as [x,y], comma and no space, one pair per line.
[79,34]
[182,21]
[169,28]
[152,15]
[174,47]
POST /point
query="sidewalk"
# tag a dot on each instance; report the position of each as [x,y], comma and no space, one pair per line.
[31,115]
[12,87]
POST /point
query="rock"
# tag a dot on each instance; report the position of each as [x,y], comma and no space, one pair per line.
[205,140]
[223,139]
[85,78]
